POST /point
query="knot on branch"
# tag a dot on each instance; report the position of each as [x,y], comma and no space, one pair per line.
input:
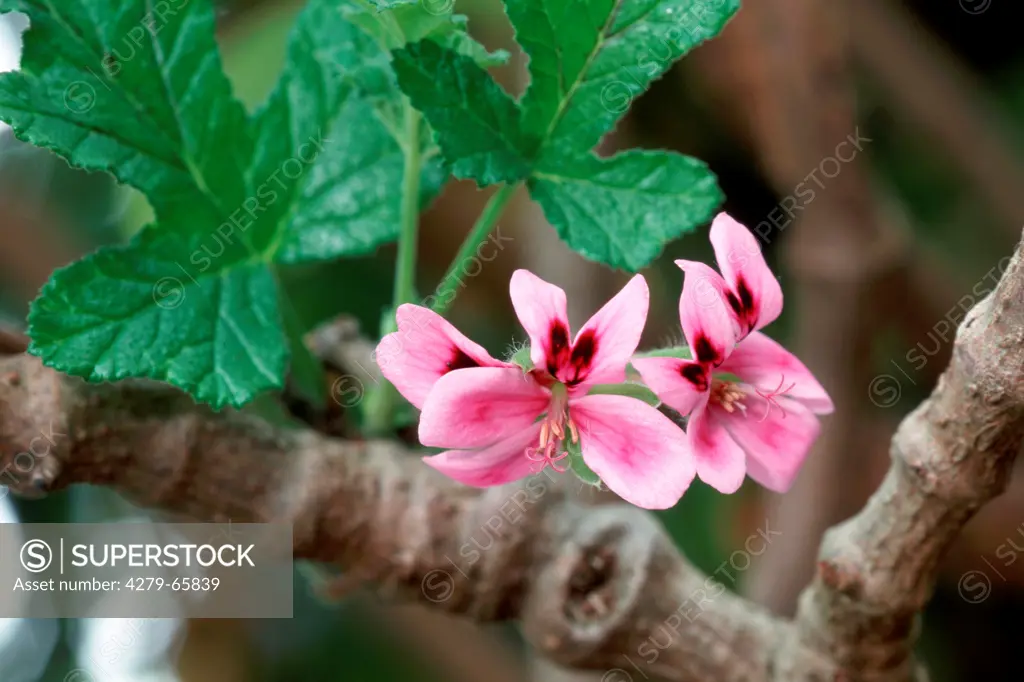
[609,569]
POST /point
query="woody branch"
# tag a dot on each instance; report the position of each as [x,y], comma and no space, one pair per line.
[589,585]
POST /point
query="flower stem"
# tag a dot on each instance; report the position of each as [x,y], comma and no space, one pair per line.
[405,267]
[381,402]
[481,229]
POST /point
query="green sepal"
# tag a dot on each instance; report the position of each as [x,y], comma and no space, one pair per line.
[579,467]
[522,358]
[628,389]
[682,352]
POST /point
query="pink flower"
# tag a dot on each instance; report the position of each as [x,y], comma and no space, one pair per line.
[424,349]
[752,404]
[504,424]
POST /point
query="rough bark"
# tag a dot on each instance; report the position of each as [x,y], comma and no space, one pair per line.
[950,456]
[589,585]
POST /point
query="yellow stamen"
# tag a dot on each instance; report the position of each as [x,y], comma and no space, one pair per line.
[553,428]
[729,396]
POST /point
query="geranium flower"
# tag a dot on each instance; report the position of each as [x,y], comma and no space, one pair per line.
[503,424]
[752,404]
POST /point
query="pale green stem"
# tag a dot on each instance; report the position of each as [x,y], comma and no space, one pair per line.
[445,293]
[405,267]
[381,402]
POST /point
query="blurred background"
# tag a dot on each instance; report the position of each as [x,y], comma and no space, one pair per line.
[878,149]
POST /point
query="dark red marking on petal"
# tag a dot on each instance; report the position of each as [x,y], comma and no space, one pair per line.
[582,355]
[705,352]
[558,347]
[696,375]
[734,303]
[746,298]
[460,360]
[742,302]
[542,377]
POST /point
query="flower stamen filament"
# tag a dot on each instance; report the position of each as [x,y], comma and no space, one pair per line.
[770,398]
[555,425]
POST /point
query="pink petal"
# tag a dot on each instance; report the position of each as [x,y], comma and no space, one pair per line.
[707,322]
[679,383]
[756,297]
[425,348]
[720,461]
[776,438]
[760,361]
[636,450]
[604,345]
[540,307]
[475,408]
[503,462]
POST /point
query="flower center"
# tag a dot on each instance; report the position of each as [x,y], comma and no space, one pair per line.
[553,429]
[728,395]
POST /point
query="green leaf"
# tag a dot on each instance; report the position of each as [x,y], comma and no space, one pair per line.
[586,54]
[193,300]
[432,7]
[328,160]
[134,311]
[459,40]
[110,86]
[477,123]
[399,22]
[393,24]
[621,211]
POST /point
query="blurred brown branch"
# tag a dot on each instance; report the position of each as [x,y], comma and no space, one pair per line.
[12,341]
[589,585]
